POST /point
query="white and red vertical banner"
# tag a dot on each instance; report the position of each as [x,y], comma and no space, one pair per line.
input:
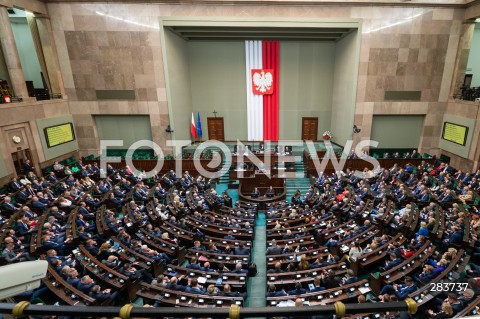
[253,53]
[271,60]
[262,70]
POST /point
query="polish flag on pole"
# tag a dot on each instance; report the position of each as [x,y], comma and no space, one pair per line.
[193,129]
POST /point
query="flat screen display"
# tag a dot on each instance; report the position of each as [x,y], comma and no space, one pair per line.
[455,133]
[59,134]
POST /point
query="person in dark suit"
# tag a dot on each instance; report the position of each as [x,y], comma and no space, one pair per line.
[426,275]
[102,295]
[243,250]
[230,236]
[91,248]
[174,285]
[227,291]
[22,196]
[349,278]
[27,167]
[255,193]
[131,272]
[36,203]
[72,278]
[238,269]
[394,261]
[275,249]
[270,192]
[80,222]
[317,284]
[85,284]
[448,198]
[48,244]
[401,291]
[14,185]
[194,287]
[23,229]
[272,291]
[298,290]
[8,206]
[115,201]
[456,237]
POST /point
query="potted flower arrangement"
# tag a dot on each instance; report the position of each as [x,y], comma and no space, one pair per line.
[327,135]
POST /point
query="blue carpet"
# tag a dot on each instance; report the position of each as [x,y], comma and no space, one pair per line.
[257,286]
[232,192]
[221,187]
[261,219]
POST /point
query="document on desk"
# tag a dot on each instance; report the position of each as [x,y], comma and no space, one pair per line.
[364,290]
[286,303]
[202,280]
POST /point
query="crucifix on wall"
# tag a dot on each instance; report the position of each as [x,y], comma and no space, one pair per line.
[214,112]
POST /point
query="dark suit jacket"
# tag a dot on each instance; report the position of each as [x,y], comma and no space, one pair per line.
[242,251]
[300,291]
[85,288]
[394,263]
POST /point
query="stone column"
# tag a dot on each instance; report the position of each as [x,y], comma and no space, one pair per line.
[10,53]
[50,54]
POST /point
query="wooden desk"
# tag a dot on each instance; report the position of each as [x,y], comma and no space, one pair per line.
[262,181]
[183,299]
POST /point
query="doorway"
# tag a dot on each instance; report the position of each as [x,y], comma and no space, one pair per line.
[19,157]
[215,128]
[309,128]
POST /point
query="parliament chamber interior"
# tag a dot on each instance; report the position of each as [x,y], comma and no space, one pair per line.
[240,159]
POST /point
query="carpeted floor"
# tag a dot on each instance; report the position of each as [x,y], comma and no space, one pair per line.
[257,286]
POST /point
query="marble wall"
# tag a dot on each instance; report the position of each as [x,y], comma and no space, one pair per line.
[20,119]
[117,46]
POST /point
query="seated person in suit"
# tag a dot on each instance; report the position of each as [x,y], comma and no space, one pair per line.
[72,278]
[85,284]
[14,185]
[255,193]
[238,269]
[394,261]
[317,284]
[243,250]
[174,285]
[102,295]
[134,274]
[275,249]
[277,269]
[298,289]
[270,192]
[8,206]
[193,287]
[230,235]
[10,256]
[426,275]
[227,291]
[401,291]
[272,291]
[349,278]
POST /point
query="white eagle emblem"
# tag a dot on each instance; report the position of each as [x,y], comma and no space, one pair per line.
[262,81]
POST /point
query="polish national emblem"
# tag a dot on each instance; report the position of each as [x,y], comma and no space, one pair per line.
[262,81]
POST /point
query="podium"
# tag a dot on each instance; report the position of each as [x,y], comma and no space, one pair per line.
[262,180]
